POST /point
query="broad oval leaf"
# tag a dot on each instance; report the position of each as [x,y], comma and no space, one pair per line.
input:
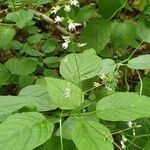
[6,35]
[123,34]
[79,67]
[140,62]
[40,96]
[67,126]
[24,131]
[92,136]
[65,94]
[109,7]
[96,34]
[85,13]
[20,17]
[9,104]
[143,30]
[123,107]
[22,66]
[107,66]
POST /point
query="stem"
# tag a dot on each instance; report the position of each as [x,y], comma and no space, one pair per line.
[61,137]
[51,21]
[141,82]
[118,10]
[78,70]
[60,126]
[92,88]
[133,53]
[128,87]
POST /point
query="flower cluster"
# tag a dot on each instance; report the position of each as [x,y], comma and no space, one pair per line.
[110,80]
[71,24]
[133,125]
[66,41]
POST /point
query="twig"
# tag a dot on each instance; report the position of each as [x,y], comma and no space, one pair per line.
[51,21]
[141,82]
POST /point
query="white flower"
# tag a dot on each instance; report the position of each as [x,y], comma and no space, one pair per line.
[130,124]
[102,76]
[72,25]
[66,41]
[123,146]
[55,9]
[81,44]
[96,84]
[58,19]
[74,2]
[67,92]
[65,45]
[133,132]
[67,8]
[109,88]
[123,141]
[139,126]
[124,138]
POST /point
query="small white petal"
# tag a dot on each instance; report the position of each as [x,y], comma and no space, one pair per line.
[123,146]
[65,45]
[133,132]
[67,8]
[102,76]
[58,19]
[81,44]
[130,124]
[124,138]
[96,84]
[55,9]
[74,2]
[72,25]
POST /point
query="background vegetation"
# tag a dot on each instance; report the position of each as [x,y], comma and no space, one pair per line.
[74,75]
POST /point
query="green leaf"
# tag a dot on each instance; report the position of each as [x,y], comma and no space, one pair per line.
[140,62]
[107,66]
[147,146]
[26,80]
[22,66]
[109,7]
[79,67]
[49,46]
[123,107]
[123,34]
[92,136]
[54,144]
[6,35]
[96,34]
[24,131]
[143,30]
[35,38]
[4,74]
[67,126]
[9,104]
[52,62]
[65,94]
[40,96]
[85,13]
[20,17]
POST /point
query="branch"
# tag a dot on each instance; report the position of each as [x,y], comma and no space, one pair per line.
[51,21]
